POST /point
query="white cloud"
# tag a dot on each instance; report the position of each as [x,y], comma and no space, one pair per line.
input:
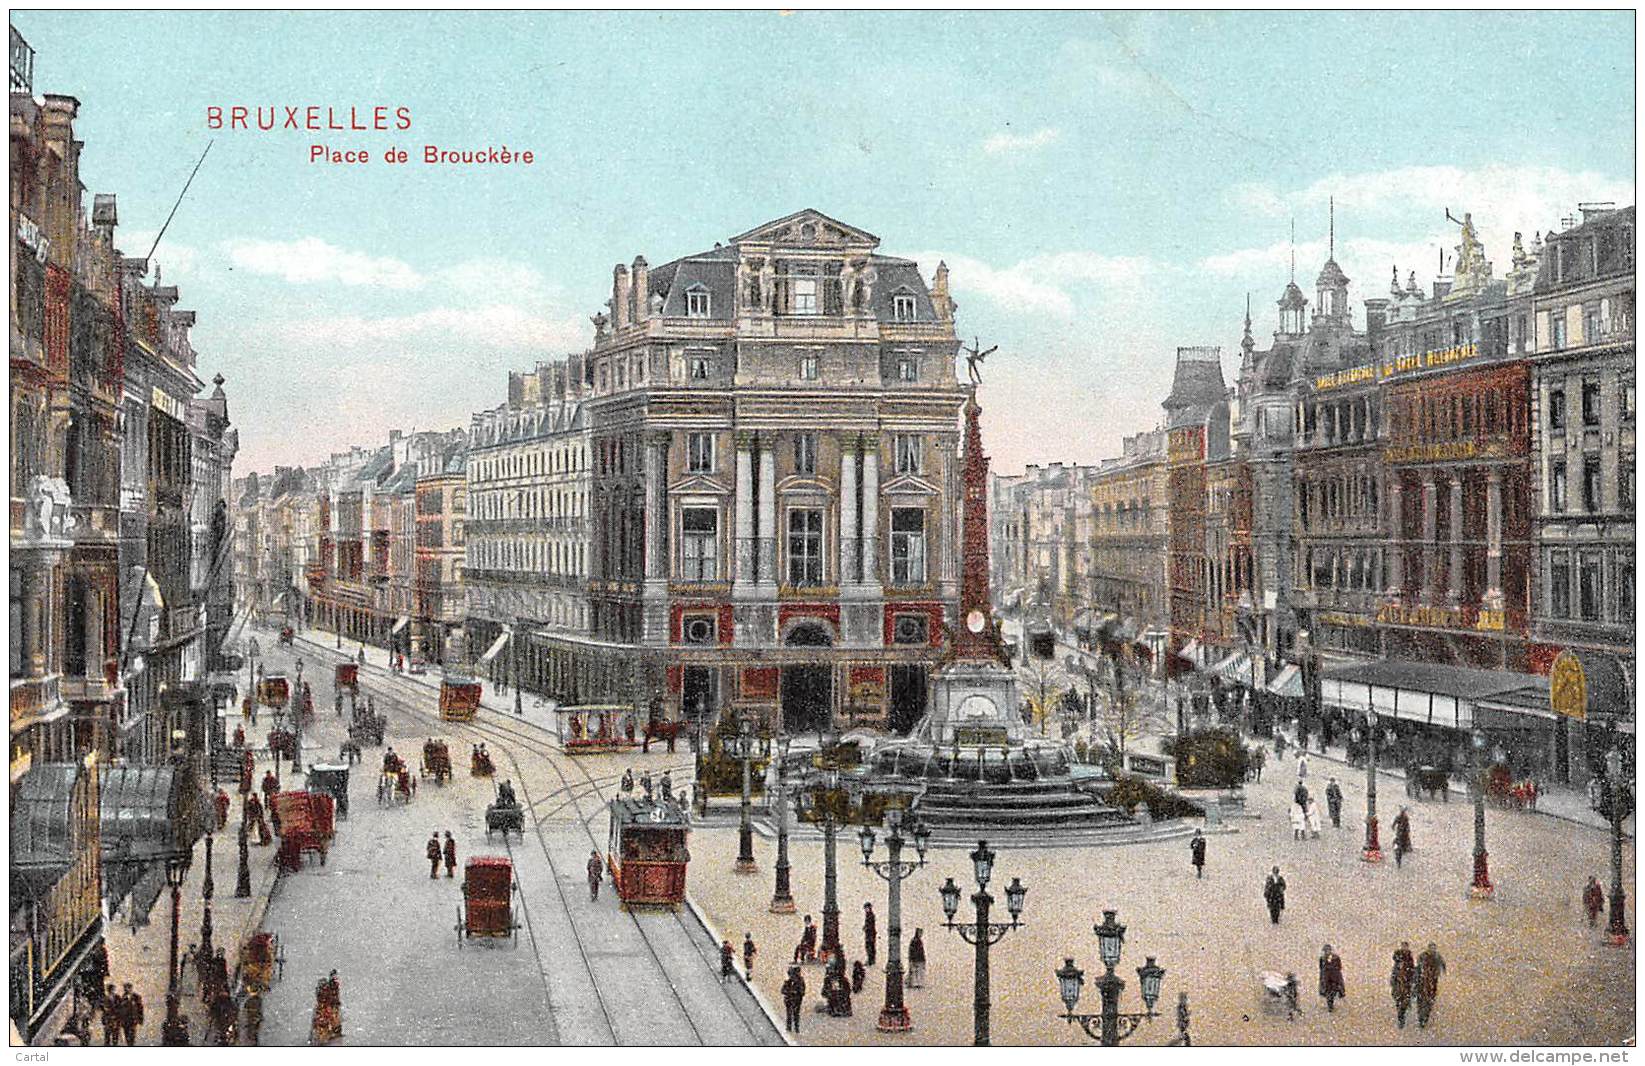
[179,260]
[496,326]
[311,259]
[1008,143]
[1043,284]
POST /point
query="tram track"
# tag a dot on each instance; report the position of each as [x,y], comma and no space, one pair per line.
[402,693]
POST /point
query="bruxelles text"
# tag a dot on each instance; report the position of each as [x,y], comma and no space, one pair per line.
[500,155]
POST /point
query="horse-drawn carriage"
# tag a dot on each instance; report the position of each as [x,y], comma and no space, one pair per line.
[487,909]
[333,781]
[601,727]
[479,762]
[506,814]
[664,730]
[283,742]
[436,761]
[395,784]
[367,728]
[459,698]
[262,960]
[1423,782]
[647,852]
[287,635]
[348,676]
[306,825]
[274,691]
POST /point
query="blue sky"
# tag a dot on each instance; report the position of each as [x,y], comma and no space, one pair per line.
[1104,186]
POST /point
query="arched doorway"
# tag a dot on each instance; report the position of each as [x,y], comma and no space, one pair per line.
[808,690]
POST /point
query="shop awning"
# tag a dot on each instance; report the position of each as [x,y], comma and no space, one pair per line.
[1432,693]
[1239,670]
[496,646]
[399,624]
[1288,682]
[138,810]
[43,829]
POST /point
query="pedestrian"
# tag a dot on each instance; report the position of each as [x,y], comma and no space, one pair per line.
[112,1004]
[793,991]
[451,855]
[646,785]
[1259,755]
[1593,901]
[749,951]
[1313,819]
[190,959]
[1402,982]
[131,1018]
[728,962]
[239,736]
[271,785]
[807,949]
[1299,821]
[859,977]
[1331,984]
[254,1016]
[628,780]
[328,1011]
[1333,801]
[596,870]
[916,959]
[1273,892]
[1302,763]
[1196,853]
[1279,744]
[1429,966]
[665,784]
[869,932]
[1402,836]
[433,852]
[1182,1020]
[362,655]
[1300,796]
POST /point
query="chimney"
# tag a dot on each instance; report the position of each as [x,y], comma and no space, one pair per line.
[619,297]
[941,301]
[642,289]
[1442,287]
[1376,315]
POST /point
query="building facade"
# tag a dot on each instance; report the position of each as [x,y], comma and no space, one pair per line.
[1130,506]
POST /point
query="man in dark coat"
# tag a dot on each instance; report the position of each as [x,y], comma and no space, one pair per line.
[596,870]
[728,961]
[131,1014]
[859,977]
[1402,836]
[271,785]
[1196,853]
[1273,892]
[1333,803]
[220,802]
[793,991]
[1402,982]
[807,950]
[112,1005]
[916,959]
[1331,985]
[451,855]
[869,932]
[837,989]
[1593,901]
[1429,966]
[749,951]
[433,851]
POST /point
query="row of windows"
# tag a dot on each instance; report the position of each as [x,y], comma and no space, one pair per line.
[1600,320]
[699,366]
[700,545]
[529,503]
[1593,500]
[548,557]
[1589,403]
[560,459]
[1576,586]
[1459,415]
[701,457]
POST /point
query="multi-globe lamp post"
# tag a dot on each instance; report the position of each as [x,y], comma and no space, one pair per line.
[981,932]
[1110,1026]
[1481,887]
[782,895]
[1617,929]
[820,803]
[743,748]
[1372,851]
[894,1016]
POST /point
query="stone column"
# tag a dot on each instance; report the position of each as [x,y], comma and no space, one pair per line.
[871,512]
[949,547]
[743,547]
[850,541]
[36,595]
[656,508]
[1493,534]
[768,510]
[1455,590]
[1430,535]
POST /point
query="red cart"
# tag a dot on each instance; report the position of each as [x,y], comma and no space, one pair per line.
[488,900]
[348,676]
[307,823]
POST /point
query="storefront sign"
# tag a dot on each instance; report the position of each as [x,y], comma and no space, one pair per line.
[1336,618]
[168,404]
[1430,617]
[1568,687]
[29,234]
[1391,368]
[1446,451]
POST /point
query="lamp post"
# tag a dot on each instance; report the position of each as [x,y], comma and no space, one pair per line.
[1372,851]
[1481,887]
[177,864]
[207,889]
[1617,929]
[1110,1026]
[982,933]
[297,724]
[821,808]
[251,676]
[894,1015]
[745,833]
[782,896]
[242,878]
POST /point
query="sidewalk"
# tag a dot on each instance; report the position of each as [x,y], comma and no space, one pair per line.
[1552,800]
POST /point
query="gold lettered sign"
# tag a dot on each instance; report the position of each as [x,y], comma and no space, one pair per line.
[1568,687]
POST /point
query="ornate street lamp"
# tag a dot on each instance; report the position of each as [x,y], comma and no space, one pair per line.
[208,888]
[177,866]
[1110,1026]
[782,896]
[242,878]
[1372,852]
[743,746]
[1481,887]
[982,933]
[820,804]
[894,1015]
[1617,929]
[297,724]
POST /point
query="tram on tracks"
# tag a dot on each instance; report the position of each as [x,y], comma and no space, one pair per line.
[597,727]
[646,852]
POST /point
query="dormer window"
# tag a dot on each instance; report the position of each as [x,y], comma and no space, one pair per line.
[902,307]
[696,302]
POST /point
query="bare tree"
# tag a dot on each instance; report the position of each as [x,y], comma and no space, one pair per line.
[1044,693]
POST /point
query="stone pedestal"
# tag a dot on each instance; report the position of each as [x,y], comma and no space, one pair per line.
[976,704]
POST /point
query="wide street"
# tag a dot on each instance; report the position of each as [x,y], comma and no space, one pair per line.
[579,973]
[1521,968]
